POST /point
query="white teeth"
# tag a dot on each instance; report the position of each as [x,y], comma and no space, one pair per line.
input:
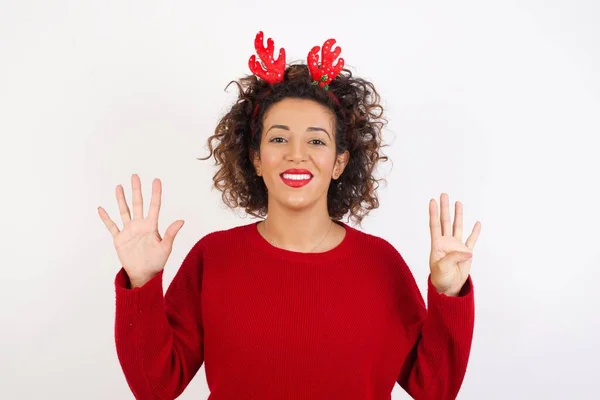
[297,177]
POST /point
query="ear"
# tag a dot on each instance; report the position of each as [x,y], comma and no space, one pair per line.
[255,157]
[340,164]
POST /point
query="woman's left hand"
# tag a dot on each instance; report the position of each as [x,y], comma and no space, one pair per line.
[450,259]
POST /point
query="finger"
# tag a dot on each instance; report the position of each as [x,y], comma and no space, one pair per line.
[472,239]
[112,227]
[138,202]
[123,207]
[434,221]
[454,258]
[155,201]
[171,232]
[451,260]
[445,215]
[458,220]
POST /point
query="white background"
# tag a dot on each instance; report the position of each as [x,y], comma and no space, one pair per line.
[495,103]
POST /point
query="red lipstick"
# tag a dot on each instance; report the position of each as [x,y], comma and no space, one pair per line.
[296,177]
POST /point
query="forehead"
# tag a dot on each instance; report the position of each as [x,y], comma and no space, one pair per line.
[299,111]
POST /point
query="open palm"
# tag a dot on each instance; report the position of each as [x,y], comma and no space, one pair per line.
[140,248]
[450,259]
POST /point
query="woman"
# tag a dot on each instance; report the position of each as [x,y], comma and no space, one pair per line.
[299,305]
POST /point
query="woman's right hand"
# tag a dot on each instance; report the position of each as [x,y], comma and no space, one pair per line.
[141,250]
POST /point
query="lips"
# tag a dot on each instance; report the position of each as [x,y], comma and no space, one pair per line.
[296,177]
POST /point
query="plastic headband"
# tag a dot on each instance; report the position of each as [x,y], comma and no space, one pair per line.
[272,70]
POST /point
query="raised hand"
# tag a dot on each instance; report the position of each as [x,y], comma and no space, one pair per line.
[450,259]
[141,250]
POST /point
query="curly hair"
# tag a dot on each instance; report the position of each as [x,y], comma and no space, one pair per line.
[358,129]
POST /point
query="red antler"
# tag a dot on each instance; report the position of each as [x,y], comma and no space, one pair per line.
[325,72]
[269,69]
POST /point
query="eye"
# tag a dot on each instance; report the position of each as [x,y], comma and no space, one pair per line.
[277,139]
[319,141]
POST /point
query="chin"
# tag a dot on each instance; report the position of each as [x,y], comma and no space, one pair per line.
[300,202]
[296,199]
[296,204]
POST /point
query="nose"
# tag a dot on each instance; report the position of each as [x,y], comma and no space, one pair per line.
[297,151]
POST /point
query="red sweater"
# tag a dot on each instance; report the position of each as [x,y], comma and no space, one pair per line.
[275,324]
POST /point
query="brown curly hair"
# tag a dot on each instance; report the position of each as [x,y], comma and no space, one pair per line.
[359,123]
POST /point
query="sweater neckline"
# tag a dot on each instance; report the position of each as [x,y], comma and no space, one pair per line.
[336,252]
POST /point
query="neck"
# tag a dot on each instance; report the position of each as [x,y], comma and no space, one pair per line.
[297,230]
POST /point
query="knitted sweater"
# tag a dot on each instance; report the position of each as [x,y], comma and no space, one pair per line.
[271,323]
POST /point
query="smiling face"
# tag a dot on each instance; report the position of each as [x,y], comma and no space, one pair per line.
[297,154]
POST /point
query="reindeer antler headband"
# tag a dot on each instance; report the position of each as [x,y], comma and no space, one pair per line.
[272,70]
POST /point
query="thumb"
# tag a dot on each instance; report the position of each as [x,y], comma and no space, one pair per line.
[456,257]
[171,232]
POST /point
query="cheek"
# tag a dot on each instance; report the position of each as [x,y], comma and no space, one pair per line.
[324,160]
[268,155]
[269,158]
[269,162]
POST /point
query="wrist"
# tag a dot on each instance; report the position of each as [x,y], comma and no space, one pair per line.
[450,293]
[448,290]
[456,290]
[139,281]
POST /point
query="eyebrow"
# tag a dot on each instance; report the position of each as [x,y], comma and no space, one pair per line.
[309,129]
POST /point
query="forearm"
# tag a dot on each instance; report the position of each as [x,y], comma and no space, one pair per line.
[149,346]
[437,364]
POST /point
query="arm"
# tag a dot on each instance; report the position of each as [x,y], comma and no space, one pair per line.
[159,340]
[441,339]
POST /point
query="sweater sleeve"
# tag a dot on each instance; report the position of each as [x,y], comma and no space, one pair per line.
[440,336]
[159,340]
